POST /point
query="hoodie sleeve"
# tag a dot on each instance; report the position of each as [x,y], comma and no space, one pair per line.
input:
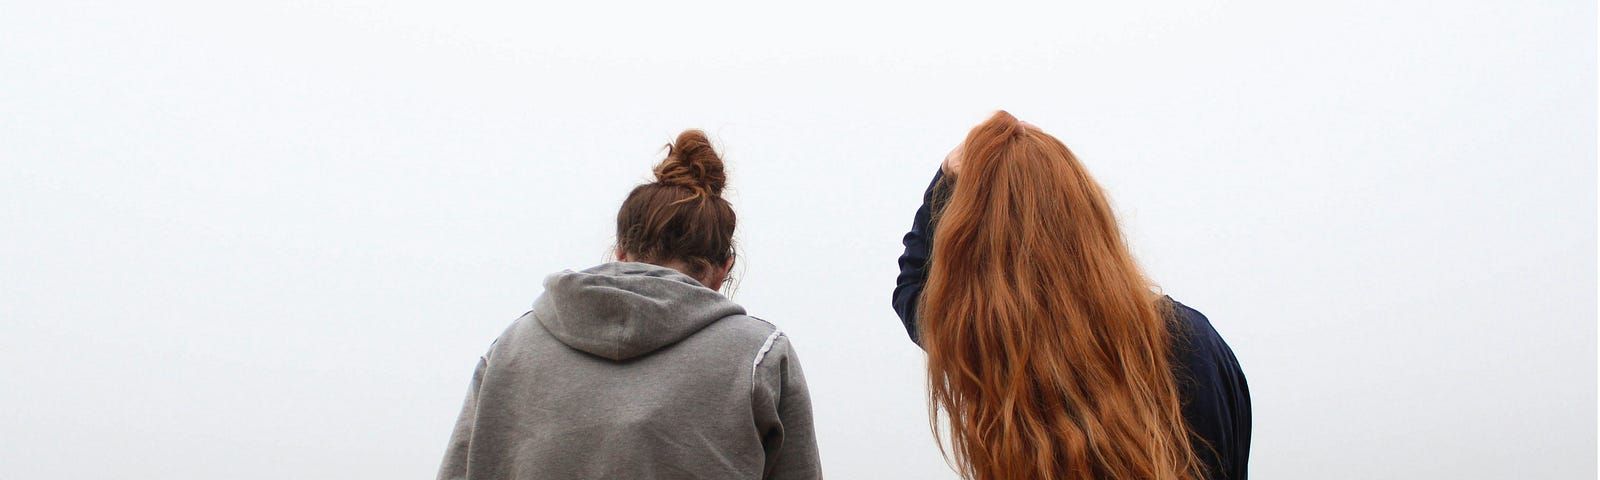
[783,414]
[914,262]
[455,454]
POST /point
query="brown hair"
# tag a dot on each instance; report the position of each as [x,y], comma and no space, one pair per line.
[1048,349]
[680,217]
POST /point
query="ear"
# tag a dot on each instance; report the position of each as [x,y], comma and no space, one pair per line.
[720,275]
[620,256]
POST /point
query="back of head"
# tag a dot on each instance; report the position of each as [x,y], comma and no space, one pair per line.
[681,217]
[1047,349]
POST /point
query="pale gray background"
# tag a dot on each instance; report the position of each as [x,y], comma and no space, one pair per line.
[270,240]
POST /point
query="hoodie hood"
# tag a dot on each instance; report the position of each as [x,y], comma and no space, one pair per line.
[623,310]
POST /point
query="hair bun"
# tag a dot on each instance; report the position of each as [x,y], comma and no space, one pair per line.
[692,163]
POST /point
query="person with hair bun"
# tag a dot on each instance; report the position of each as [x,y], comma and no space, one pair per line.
[639,368]
[1050,354]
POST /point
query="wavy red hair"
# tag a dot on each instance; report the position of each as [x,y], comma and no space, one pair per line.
[1048,350]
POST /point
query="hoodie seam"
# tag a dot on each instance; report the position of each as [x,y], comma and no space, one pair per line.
[755,367]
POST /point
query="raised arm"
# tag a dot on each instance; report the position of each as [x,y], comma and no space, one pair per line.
[914,262]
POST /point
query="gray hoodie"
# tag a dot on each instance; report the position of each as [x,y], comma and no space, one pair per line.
[635,371]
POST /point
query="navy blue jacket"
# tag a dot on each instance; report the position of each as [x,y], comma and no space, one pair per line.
[1216,399]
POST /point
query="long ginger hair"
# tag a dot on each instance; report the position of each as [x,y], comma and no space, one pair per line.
[1048,349]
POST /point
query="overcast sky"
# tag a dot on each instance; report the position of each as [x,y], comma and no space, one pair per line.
[271,239]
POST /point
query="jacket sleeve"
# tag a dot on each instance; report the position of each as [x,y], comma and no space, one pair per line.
[784,415]
[1239,403]
[1230,416]
[457,451]
[914,262]
[1216,397]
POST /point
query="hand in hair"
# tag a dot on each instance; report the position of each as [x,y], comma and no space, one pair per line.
[952,161]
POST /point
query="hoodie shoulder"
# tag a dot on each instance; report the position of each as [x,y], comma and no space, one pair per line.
[745,329]
[749,338]
[1196,328]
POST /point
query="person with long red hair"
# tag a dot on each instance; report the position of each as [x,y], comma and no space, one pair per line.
[1050,354]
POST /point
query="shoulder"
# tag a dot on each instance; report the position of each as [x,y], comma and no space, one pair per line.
[1202,355]
[743,329]
[753,337]
[1195,338]
[524,336]
[1190,322]
[774,367]
[769,344]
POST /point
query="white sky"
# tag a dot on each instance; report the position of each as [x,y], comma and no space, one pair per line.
[270,240]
